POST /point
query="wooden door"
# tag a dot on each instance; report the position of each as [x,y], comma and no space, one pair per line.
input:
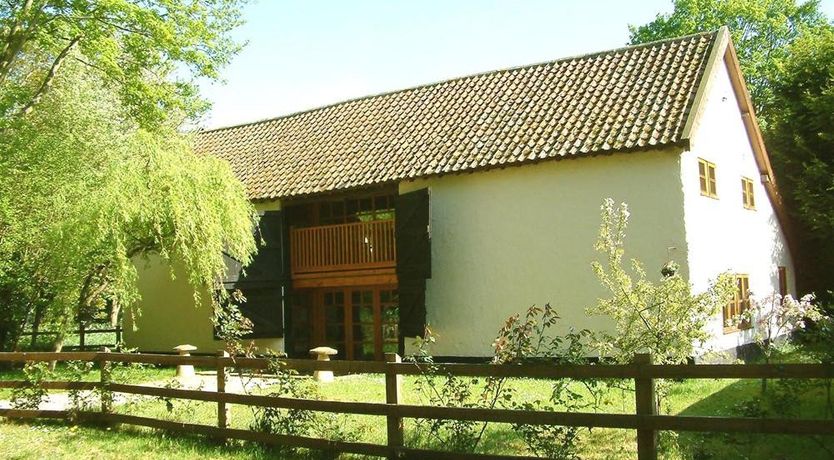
[360,322]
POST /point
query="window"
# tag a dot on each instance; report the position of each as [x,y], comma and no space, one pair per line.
[706,172]
[783,281]
[747,193]
[343,210]
[738,305]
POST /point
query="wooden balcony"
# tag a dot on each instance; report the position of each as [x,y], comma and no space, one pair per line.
[343,248]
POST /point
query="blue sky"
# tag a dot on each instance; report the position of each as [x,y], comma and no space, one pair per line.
[304,54]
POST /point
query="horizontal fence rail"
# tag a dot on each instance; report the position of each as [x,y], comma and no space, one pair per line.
[644,420]
[83,333]
[341,247]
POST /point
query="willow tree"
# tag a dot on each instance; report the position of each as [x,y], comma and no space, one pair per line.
[86,192]
[94,169]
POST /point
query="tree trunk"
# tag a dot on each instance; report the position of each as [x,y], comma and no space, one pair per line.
[36,324]
[57,346]
[114,313]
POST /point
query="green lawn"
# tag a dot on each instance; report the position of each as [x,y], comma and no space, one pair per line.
[121,374]
[693,397]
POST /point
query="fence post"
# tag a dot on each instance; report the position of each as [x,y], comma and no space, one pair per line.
[646,405]
[393,390]
[119,336]
[106,395]
[222,408]
[81,336]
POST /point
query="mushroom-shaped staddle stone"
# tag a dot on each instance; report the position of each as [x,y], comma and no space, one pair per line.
[323,354]
[185,371]
[185,350]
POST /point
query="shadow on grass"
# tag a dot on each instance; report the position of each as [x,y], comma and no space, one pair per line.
[742,399]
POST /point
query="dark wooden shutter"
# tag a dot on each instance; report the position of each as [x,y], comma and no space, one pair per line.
[412,297]
[412,227]
[413,260]
[265,281]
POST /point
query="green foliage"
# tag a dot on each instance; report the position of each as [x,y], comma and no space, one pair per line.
[95,172]
[529,340]
[286,383]
[662,317]
[524,338]
[761,31]
[31,394]
[87,194]
[802,141]
[148,53]
[447,390]
[82,400]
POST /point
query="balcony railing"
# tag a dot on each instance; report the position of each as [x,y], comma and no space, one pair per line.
[343,247]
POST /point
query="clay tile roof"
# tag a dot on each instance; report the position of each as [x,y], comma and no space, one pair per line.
[625,99]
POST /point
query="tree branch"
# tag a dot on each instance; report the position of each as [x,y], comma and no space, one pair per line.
[14,41]
[50,77]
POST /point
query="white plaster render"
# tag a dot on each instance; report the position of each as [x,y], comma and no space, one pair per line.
[721,235]
[506,239]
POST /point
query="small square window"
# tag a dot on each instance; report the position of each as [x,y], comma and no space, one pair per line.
[706,173]
[747,193]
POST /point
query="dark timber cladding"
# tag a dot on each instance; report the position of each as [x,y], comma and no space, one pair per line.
[264,281]
[413,260]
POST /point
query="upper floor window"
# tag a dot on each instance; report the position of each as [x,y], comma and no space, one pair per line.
[738,305]
[706,172]
[342,210]
[747,193]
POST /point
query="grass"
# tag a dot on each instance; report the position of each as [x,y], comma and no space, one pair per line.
[121,374]
[691,397]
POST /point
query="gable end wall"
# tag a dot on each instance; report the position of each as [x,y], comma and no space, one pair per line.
[721,235]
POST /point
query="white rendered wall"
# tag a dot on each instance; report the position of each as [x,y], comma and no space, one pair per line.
[504,240]
[721,235]
[167,316]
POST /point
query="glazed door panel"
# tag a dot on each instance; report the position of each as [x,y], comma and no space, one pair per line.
[359,322]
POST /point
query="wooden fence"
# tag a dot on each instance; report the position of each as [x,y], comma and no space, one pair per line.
[646,421]
[83,332]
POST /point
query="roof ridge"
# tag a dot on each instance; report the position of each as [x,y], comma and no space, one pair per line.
[463,77]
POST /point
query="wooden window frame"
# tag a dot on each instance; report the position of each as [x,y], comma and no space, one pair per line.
[748,197]
[707,178]
[738,305]
[319,323]
[783,280]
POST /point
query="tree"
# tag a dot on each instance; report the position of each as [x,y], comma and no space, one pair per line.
[761,30]
[134,46]
[663,318]
[802,141]
[95,172]
[785,53]
[86,194]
